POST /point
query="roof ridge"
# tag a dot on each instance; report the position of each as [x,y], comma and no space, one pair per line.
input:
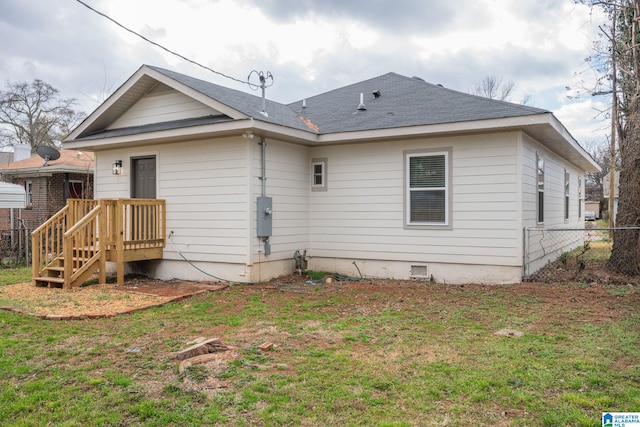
[342,88]
[479,97]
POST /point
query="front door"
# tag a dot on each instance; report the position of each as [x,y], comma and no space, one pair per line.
[143,186]
[143,180]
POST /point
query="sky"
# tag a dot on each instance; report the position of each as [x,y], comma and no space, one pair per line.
[313,46]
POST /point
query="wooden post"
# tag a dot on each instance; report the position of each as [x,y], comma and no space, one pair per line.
[163,224]
[67,248]
[36,253]
[120,229]
[102,242]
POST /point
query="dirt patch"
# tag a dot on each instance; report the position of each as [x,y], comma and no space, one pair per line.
[593,288]
[167,288]
[95,301]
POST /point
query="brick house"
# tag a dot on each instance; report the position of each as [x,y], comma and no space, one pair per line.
[48,186]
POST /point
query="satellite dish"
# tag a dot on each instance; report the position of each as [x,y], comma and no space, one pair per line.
[47,153]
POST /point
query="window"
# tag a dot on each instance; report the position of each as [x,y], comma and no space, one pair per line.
[76,190]
[28,186]
[319,174]
[566,195]
[579,198]
[427,188]
[540,174]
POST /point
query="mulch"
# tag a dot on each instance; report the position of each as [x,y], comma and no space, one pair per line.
[98,301]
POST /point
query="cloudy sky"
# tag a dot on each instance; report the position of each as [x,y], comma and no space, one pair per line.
[312,46]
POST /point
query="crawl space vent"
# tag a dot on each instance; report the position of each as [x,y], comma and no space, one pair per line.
[419,272]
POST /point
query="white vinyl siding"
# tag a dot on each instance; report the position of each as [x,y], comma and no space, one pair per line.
[206,188]
[287,182]
[362,214]
[554,187]
[161,105]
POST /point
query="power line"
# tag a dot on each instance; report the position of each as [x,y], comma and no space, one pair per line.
[159,45]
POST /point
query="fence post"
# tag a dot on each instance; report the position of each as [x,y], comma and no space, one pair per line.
[26,246]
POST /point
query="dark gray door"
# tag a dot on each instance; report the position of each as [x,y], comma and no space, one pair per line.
[143,184]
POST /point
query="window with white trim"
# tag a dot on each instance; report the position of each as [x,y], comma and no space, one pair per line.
[28,186]
[427,188]
[540,185]
[566,194]
[319,174]
[579,198]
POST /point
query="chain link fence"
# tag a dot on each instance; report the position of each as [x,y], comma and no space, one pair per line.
[15,246]
[561,253]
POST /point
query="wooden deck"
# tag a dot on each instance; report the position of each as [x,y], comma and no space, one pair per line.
[79,239]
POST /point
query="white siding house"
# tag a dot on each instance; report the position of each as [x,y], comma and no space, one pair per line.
[426,182]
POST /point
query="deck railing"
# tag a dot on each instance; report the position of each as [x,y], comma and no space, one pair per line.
[47,241]
[135,223]
[83,248]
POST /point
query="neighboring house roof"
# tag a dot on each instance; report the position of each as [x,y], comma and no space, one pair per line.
[71,161]
[402,107]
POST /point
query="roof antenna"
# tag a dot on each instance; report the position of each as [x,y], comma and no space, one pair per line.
[263,85]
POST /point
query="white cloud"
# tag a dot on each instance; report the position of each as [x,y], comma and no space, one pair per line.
[310,46]
[587,120]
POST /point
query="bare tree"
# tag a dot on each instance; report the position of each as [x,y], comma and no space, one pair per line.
[602,155]
[35,114]
[493,87]
[623,57]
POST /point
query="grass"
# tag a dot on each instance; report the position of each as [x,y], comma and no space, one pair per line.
[400,355]
[14,275]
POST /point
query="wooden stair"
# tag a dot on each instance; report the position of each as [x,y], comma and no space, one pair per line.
[53,275]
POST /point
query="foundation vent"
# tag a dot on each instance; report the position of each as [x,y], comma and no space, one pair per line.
[419,272]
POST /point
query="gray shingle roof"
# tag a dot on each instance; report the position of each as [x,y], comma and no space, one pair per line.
[403,101]
[155,127]
[245,103]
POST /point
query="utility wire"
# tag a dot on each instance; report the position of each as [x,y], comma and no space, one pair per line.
[159,45]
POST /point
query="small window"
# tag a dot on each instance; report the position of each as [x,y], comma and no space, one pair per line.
[29,190]
[319,174]
[566,194]
[540,175]
[76,190]
[427,188]
[579,198]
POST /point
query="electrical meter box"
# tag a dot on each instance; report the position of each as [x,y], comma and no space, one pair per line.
[265,214]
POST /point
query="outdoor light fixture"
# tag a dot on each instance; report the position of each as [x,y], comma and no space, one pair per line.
[117,167]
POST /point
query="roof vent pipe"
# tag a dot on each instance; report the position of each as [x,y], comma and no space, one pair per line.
[361,107]
[304,103]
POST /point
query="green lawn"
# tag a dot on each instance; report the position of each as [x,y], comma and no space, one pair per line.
[384,354]
[14,275]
